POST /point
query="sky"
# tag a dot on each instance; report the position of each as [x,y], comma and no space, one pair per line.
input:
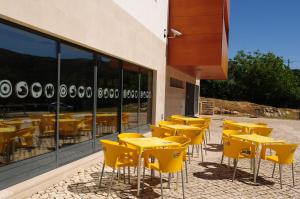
[266,25]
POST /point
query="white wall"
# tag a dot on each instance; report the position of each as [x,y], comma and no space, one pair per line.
[103,26]
[153,14]
[175,97]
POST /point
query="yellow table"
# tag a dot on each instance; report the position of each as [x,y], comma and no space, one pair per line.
[177,127]
[257,140]
[16,123]
[185,119]
[9,129]
[247,125]
[146,143]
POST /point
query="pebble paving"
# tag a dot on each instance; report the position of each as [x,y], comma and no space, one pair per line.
[208,179]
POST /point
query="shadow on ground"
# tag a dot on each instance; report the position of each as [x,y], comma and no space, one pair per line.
[215,171]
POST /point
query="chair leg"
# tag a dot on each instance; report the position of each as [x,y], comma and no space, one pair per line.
[280,175]
[124,172]
[128,175]
[258,167]
[209,133]
[189,155]
[177,180]
[201,153]
[143,179]
[169,180]
[161,186]
[111,179]
[273,170]
[100,179]
[222,158]
[235,166]
[192,150]
[293,174]
[186,171]
[182,182]
[198,152]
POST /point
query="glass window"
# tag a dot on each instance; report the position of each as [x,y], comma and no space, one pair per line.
[145,97]
[108,95]
[76,95]
[28,78]
[130,96]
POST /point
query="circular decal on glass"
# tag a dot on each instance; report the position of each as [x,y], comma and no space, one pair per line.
[89,92]
[63,90]
[100,93]
[106,93]
[136,94]
[81,91]
[36,90]
[5,88]
[22,89]
[132,94]
[72,91]
[49,90]
[124,94]
[111,93]
[116,93]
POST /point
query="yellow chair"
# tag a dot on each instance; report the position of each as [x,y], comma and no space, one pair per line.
[197,138]
[23,139]
[264,131]
[207,123]
[237,149]
[69,131]
[176,121]
[184,142]
[261,123]
[284,155]
[161,132]
[168,160]
[230,126]
[117,156]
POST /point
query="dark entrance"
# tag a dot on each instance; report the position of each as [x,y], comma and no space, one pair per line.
[191,99]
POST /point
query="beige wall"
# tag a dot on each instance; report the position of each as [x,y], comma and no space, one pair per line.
[175,97]
[100,25]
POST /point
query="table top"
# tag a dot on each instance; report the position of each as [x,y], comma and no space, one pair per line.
[186,119]
[13,122]
[9,129]
[180,127]
[247,124]
[148,143]
[51,115]
[257,139]
[66,120]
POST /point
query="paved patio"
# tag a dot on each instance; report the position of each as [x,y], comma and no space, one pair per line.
[206,180]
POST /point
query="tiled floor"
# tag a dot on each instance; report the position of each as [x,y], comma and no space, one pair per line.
[209,179]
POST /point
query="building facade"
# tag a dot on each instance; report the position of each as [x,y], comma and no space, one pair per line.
[74,72]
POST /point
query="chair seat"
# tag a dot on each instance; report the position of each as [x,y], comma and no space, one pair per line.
[273,158]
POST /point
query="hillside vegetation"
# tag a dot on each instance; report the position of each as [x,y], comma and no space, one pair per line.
[261,78]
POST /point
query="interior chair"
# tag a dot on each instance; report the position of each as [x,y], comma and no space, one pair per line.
[237,149]
[69,131]
[125,121]
[24,139]
[264,131]
[167,160]
[197,138]
[161,132]
[117,156]
[284,155]
[85,127]
[184,142]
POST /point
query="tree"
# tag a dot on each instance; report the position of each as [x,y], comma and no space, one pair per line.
[257,77]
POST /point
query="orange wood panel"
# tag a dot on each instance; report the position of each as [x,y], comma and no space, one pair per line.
[201,47]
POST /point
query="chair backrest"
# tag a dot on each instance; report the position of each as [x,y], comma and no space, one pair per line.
[285,152]
[261,123]
[161,132]
[197,136]
[198,123]
[25,131]
[114,151]
[230,126]
[264,131]
[130,135]
[184,141]
[233,147]
[176,121]
[169,159]
[68,128]
[232,132]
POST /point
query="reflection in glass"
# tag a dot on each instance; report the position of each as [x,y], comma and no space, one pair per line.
[130,96]
[28,75]
[145,97]
[76,96]
[108,95]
